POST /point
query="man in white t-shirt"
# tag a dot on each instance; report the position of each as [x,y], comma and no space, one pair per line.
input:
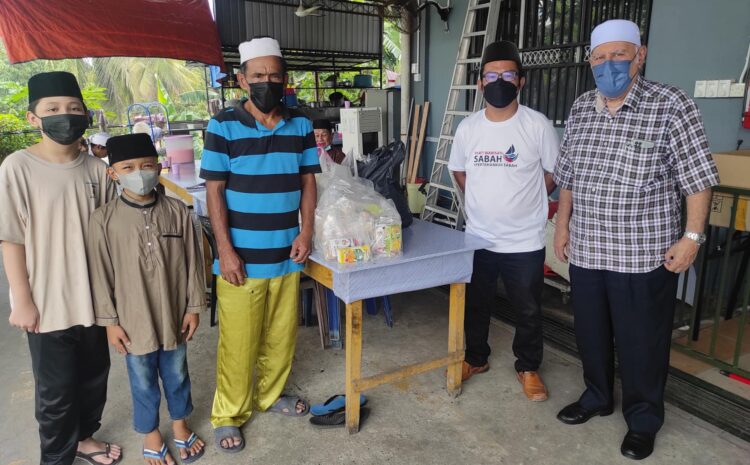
[502,158]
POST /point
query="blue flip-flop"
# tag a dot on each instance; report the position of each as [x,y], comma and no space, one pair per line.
[160,455]
[335,404]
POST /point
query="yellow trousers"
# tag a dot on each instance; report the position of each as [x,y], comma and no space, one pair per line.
[257,338]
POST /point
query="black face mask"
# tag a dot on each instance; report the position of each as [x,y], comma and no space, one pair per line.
[500,93]
[266,95]
[65,129]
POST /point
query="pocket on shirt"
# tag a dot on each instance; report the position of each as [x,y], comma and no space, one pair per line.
[636,166]
[171,235]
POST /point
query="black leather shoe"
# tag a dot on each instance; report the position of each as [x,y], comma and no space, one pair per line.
[575,414]
[637,446]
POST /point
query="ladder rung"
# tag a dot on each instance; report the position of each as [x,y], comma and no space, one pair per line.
[442,211]
[440,161]
[442,187]
[466,61]
[446,136]
[464,87]
[475,34]
[458,113]
[481,6]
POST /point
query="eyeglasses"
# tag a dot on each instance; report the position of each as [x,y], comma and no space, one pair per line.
[508,76]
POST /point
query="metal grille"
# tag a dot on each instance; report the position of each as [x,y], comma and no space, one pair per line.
[554,36]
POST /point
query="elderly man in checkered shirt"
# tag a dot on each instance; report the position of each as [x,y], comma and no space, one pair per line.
[632,149]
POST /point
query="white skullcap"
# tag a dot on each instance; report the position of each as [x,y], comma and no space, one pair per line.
[615,30]
[100,138]
[261,47]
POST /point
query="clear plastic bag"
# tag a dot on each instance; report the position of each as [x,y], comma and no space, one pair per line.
[353,223]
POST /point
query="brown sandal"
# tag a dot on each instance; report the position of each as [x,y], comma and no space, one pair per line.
[89,458]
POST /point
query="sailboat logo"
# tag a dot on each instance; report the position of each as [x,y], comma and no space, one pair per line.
[511,155]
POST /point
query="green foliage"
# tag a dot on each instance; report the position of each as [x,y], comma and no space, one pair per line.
[9,143]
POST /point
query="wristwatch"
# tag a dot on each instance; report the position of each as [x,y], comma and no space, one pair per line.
[700,238]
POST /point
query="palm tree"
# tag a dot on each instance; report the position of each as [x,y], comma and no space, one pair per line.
[131,80]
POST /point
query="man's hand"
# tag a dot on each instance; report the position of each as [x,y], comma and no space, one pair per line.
[189,324]
[562,239]
[232,267]
[25,316]
[681,255]
[301,247]
[118,338]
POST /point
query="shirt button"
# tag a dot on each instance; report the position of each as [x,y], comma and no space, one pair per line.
[147,227]
[149,244]
[145,212]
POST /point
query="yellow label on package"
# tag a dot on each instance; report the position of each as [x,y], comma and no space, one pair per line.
[354,254]
[387,240]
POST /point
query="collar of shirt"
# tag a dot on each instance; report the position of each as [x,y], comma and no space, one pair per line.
[135,204]
[247,119]
[631,100]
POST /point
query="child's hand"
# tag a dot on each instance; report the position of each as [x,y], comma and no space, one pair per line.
[190,324]
[25,316]
[118,338]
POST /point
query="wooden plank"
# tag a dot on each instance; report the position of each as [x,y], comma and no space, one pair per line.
[404,175]
[408,371]
[420,143]
[177,190]
[456,335]
[353,363]
[413,142]
[319,273]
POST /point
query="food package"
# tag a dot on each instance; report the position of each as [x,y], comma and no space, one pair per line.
[353,223]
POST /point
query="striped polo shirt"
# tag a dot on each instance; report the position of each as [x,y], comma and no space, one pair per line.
[262,168]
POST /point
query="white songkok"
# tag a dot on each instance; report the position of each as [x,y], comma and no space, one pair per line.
[615,30]
[261,47]
[100,138]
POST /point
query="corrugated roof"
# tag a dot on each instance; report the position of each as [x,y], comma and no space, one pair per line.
[346,35]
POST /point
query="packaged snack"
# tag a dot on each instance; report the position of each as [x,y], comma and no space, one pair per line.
[353,223]
[354,254]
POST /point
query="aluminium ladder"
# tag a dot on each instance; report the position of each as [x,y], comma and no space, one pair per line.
[442,181]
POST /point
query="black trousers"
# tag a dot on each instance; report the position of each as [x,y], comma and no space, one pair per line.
[634,312]
[523,278]
[70,371]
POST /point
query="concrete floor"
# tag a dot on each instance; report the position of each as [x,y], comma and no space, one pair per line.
[414,422]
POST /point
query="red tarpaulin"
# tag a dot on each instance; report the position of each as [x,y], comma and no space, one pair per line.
[181,29]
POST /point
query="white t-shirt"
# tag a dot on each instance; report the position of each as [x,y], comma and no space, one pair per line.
[506,198]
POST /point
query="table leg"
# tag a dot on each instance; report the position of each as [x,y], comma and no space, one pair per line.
[353,346]
[456,336]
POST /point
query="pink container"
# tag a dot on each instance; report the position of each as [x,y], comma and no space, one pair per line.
[180,149]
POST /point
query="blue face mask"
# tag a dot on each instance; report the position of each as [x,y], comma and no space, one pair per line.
[612,77]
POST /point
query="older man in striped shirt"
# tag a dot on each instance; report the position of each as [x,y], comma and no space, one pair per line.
[632,149]
[259,163]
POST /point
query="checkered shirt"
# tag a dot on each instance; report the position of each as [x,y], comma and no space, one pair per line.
[628,173]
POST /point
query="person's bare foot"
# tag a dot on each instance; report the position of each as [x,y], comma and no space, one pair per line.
[154,441]
[182,432]
[228,443]
[91,446]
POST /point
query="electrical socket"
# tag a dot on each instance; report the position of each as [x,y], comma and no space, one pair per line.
[700,89]
[417,77]
[414,68]
[737,90]
[724,86]
[712,89]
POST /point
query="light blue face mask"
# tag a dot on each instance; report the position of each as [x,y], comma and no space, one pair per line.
[613,77]
[139,182]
